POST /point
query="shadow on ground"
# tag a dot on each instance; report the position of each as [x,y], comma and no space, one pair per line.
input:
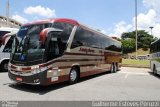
[2,71]
[41,90]
[155,75]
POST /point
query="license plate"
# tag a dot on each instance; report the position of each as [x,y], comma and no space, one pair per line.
[19,79]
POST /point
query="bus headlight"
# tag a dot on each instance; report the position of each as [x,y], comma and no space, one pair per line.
[35,67]
[36,71]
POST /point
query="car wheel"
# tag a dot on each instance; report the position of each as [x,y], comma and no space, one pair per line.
[4,66]
[154,70]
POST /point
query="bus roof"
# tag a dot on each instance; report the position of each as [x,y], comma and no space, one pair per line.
[70,21]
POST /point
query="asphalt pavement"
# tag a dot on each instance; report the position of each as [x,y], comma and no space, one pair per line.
[129,84]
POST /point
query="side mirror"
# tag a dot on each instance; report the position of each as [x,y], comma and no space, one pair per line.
[44,33]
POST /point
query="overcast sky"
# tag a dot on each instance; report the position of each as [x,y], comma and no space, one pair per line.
[113,17]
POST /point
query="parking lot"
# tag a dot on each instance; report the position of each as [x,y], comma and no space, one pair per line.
[127,84]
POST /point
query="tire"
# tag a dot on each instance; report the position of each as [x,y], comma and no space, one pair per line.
[154,70]
[4,66]
[113,68]
[73,76]
[117,67]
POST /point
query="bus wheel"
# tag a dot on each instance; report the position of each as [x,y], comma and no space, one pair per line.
[154,70]
[4,66]
[73,75]
[113,68]
[116,67]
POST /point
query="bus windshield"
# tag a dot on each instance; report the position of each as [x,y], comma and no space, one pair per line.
[30,48]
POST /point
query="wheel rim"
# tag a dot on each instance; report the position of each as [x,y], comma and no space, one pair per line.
[115,67]
[5,66]
[73,75]
[112,68]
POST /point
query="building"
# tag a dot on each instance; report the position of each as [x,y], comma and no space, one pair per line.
[11,23]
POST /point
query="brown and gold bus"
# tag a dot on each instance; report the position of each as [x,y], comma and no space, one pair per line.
[57,50]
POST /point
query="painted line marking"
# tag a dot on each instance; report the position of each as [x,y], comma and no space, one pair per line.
[126,76]
[134,73]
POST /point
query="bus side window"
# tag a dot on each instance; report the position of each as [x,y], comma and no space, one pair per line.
[53,50]
[8,46]
[64,36]
[78,39]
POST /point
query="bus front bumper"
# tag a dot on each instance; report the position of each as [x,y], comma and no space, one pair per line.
[35,79]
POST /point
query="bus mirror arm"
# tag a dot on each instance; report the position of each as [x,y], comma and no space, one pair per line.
[44,33]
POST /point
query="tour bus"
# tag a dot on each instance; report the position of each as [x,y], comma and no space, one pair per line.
[5,46]
[61,49]
[155,57]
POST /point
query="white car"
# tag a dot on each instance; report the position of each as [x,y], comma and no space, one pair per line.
[6,39]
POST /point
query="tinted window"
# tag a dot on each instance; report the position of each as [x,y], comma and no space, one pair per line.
[8,46]
[95,41]
[85,38]
[32,29]
[78,39]
[57,41]
[67,29]
[90,39]
[114,46]
[54,46]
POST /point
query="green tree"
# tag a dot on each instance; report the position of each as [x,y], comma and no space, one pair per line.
[128,45]
[144,40]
